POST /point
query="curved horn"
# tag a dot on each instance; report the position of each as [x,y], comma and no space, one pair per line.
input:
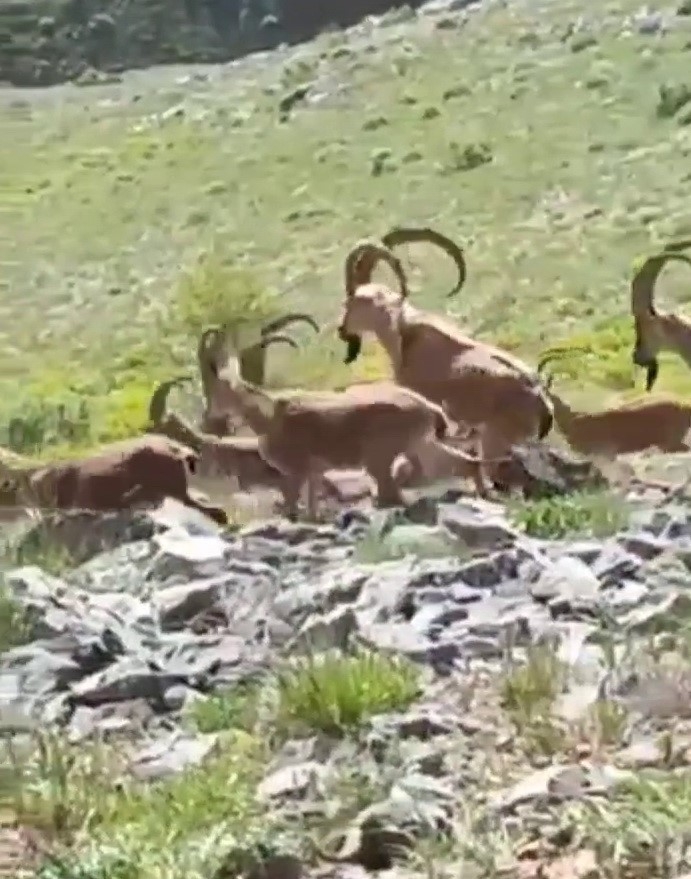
[557,353]
[275,326]
[361,262]
[645,278]
[403,235]
[278,337]
[159,398]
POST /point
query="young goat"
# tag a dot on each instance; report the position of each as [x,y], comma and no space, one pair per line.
[123,475]
[657,331]
[212,348]
[370,425]
[479,385]
[662,424]
[233,457]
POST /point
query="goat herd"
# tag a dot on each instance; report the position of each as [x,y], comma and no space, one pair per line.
[449,392]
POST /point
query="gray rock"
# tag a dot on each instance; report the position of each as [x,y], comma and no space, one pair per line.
[293,781]
[171,755]
[569,580]
[476,527]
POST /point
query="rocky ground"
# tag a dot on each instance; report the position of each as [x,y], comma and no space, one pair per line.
[446,690]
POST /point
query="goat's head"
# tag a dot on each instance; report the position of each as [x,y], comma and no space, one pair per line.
[649,340]
[159,398]
[374,308]
[224,376]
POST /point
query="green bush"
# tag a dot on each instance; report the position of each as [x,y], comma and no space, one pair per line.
[218,292]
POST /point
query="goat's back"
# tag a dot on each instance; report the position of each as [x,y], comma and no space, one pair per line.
[343,427]
[641,425]
[151,466]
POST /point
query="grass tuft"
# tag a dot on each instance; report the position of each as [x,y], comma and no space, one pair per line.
[592,514]
[336,694]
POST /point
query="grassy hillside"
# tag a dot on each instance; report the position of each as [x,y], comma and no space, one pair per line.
[547,145]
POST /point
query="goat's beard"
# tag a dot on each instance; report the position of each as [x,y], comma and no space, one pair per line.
[652,370]
[353,348]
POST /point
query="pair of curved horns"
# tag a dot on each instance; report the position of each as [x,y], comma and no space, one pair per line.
[279,323]
[557,353]
[364,256]
[645,278]
[270,333]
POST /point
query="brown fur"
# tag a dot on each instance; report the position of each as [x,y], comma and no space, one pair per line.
[655,331]
[621,430]
[236,457]
[366,426]
[477,384]
[225,457]
[212,348]
[139,471]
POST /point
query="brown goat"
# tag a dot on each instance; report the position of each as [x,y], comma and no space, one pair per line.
[227,457]
[123,475]
[211,348]
[664,425]
[479,385]
[621,430]
[367,425]
[656,331]
[235,457]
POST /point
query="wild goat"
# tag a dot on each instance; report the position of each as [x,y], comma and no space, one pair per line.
[477,384]
[368,425]
[235,457]
[138,471]
[621,430]
[655,331]
[230,457]
[252,359]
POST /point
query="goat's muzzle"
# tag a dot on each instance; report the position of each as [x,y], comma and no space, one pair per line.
[353,345]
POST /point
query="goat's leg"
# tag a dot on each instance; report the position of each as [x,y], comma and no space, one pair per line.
[380,468]
[313,485]
[291,488]
[491,443]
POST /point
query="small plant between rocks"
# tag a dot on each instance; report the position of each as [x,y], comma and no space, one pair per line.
[335,693]
[587,514]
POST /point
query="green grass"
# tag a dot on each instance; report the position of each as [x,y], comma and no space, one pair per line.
[330,693]
[555,163]
[586,513]
[96,821]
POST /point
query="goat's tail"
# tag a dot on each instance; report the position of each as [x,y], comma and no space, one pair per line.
[191,461]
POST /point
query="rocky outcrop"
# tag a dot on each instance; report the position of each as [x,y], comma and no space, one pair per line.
[165,611]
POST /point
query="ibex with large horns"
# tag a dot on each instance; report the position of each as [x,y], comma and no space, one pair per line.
[658,331]
[479,385]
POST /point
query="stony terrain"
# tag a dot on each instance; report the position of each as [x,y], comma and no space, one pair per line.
[457,689]
[440,691]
